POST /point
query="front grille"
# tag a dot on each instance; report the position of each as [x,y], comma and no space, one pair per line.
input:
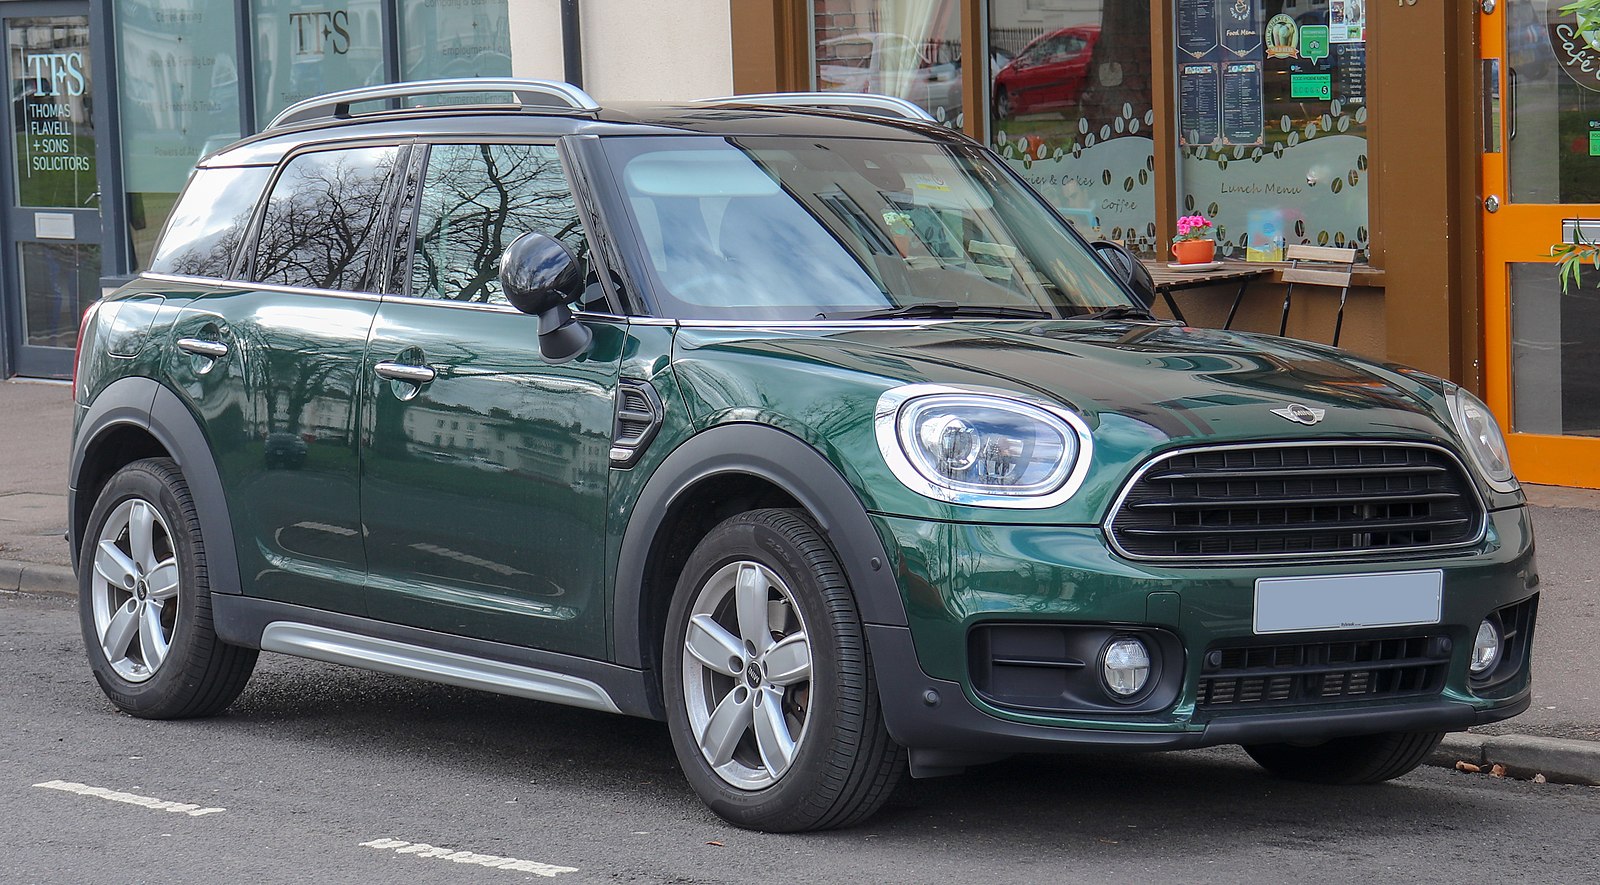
[1298,500]
[1258,676]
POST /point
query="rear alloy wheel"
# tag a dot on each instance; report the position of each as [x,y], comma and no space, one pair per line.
[145,600]
[770,697]
[1363,759]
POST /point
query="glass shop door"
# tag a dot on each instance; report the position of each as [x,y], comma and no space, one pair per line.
[1541,189]
[50,245]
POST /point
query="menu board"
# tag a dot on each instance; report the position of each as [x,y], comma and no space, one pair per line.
[1238,58]
[1221,51]
[1197,27]
[1200,108]
[1243,116]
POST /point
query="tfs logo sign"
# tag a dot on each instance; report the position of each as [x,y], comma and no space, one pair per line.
[57,73]
[318,33]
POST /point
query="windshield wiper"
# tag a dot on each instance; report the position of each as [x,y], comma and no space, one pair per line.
[1119,312]
[938,310]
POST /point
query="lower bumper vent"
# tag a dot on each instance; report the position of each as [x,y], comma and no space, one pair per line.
[1259,676]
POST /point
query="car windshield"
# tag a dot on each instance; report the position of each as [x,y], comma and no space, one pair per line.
[778,228]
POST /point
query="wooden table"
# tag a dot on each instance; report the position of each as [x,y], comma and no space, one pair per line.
[1168,281]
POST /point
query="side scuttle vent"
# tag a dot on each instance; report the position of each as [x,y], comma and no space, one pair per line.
[638,419]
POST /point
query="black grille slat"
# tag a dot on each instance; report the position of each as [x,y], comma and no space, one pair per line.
[1314,673]
[1297,500]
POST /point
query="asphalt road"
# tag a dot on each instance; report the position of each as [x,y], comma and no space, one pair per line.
[313,761]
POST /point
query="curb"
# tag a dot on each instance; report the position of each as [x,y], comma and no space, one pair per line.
[43,580]
[1561,761]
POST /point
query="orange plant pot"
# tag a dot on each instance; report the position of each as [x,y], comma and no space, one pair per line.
[1195,251]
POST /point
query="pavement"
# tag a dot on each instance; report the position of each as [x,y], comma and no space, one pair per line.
[1559,736]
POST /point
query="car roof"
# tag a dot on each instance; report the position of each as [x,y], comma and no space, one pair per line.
[615,119]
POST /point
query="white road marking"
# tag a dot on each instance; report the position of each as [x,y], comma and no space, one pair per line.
[423,849]
[117,796]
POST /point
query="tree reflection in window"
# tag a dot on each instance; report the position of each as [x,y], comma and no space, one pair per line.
[476,199]
[321,225]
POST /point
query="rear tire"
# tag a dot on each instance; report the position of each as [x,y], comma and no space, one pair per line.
[145,600]
[1363,759]
[769,688]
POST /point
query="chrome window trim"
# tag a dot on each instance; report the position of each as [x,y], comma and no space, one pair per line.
[886,420]
[1106,526]
[268,287]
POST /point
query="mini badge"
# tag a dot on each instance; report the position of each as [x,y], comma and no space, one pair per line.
[1301,414]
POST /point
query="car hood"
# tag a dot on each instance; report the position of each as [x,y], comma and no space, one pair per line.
[1141,387]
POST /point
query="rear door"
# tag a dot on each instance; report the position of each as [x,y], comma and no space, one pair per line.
[272,366]
[484,488]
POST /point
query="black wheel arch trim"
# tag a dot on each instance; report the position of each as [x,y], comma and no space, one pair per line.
[147,404]
[787,462]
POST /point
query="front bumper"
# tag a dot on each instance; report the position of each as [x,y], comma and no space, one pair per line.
[954,577]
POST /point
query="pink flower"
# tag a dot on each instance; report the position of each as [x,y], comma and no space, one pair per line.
[1193,227]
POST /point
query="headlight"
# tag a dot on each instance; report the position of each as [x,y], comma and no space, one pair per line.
[986,449]
[1481,433]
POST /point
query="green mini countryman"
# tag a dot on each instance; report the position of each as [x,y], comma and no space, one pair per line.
[797,422]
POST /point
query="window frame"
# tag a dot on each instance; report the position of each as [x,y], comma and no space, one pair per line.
[244,269]
[407,206]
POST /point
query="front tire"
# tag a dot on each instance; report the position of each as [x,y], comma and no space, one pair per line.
[145,600]
[770,695]
[1363,759]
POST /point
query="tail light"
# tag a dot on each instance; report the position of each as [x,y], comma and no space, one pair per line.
[77,351]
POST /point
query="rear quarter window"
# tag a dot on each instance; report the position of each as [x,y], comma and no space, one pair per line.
[210,221]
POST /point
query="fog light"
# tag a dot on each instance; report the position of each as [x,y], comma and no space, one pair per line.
[1125,665]
[1485,648]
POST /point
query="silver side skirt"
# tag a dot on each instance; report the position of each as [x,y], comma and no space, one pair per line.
[387,656]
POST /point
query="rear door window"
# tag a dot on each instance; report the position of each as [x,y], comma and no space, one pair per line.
[476,199]
[323,222]
[209,223]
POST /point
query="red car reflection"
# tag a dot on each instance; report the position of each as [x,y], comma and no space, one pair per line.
[1048,73]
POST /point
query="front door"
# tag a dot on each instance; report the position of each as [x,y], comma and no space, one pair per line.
[1541,187]
[50,245]
[484,466]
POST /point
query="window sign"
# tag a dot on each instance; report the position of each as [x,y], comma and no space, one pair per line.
[454,38]
[55,138]
[178,92]
[305,48]
[1276,152]
[1071,108]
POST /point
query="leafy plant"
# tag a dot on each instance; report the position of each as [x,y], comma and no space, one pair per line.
[1197,227]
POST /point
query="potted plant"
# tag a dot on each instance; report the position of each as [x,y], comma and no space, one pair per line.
[1194,243]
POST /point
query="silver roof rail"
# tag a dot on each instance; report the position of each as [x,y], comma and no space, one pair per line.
[860,102]
[527,93]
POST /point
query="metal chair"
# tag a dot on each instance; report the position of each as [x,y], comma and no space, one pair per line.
[1318,266]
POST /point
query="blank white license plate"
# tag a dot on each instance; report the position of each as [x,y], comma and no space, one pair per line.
[1348,602]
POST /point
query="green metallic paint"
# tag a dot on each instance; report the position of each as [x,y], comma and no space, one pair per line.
[280,412]
[957,575]
[484,492]
[1142,389]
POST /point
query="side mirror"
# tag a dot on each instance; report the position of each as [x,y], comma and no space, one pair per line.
[1129,269]
[541,278]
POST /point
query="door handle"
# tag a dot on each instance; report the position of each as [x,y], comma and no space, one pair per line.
[201,347]
[402,372]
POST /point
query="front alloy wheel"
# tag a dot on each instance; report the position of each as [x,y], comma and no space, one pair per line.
[747,675]
[768,681]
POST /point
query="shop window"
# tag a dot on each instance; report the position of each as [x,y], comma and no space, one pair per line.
[210,221]
[475,200]
[906,48]
[1273,121]
[454,38]
[321,226]
[1071,110]
[304,48]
